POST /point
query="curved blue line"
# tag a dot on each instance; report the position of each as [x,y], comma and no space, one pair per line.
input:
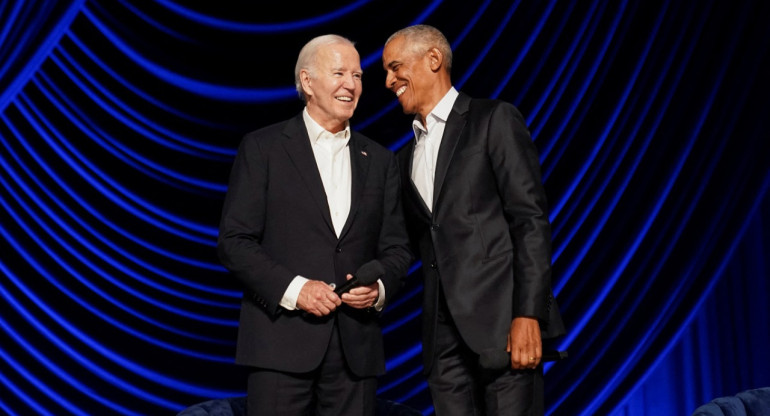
[6,28]
[149,375]
[96,312]
[40,55]
[403,357]
[201,88]
[378,56]
[715,277]
[43,385]
[399,382]
[20,222]
[133,88]
[65,289]
[91,248]
[154,23]
[189,146]
[98,215]
[559,77]
[116,198]
[268,28]
[653,215]
[113,146]
[557,207]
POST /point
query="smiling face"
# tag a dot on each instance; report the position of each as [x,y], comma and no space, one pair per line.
[333,85]
[415,75]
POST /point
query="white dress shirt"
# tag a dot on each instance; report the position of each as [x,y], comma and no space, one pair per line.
[332,156]
[427,143]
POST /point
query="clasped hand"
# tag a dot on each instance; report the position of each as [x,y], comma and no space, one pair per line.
[319,299]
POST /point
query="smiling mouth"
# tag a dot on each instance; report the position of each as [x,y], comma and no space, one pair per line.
[345,99]
[400,91]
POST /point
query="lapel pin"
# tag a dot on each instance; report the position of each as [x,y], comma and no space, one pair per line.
[364,153]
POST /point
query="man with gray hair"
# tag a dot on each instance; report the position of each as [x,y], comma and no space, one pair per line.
[477,214]
[312,204]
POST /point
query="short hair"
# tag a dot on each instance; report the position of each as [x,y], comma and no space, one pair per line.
[307,57]
[423,37]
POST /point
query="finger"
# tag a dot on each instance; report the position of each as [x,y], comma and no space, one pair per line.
[515,358]
[331,298]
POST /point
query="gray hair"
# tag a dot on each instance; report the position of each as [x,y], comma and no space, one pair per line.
[307,57]
[420,38]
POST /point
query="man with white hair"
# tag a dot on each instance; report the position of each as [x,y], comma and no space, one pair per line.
[311,203]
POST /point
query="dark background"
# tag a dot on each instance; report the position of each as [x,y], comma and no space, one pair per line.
[119,121]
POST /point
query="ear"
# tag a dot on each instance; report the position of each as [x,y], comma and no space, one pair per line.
[304,79]
[435,59]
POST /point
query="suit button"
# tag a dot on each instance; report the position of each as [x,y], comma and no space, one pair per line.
[433,265]
[338,250]
[434,227]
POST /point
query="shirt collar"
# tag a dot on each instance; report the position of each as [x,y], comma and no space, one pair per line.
[315,131]
[440,112]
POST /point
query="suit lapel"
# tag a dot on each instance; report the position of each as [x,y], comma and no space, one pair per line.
[454,127]
[359,169]
[297,145]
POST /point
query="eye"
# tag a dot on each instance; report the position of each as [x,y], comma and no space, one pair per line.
[358,76]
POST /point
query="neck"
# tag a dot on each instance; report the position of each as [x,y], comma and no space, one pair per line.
[436,95]
[332,126]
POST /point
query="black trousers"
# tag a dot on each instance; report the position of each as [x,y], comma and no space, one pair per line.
[329,390]
[460,387]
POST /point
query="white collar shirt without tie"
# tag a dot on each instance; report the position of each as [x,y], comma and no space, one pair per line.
[332,156]
[427,143]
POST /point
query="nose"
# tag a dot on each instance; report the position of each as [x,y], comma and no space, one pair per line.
[390,79]
[349,82]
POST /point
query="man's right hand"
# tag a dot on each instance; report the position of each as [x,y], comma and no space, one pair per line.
[318,298]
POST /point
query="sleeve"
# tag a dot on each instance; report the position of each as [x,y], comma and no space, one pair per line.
[516,165]
[393,246]
[242,226]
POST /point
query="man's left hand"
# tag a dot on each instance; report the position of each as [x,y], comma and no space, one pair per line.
[361,297]
[524,343]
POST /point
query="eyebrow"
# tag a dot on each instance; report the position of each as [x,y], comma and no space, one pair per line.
[342,69]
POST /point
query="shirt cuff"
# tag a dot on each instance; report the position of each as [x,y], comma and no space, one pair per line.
[289,300]
[380,304]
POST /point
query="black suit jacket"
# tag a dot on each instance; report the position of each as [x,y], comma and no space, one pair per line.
[487,239]
[276,225]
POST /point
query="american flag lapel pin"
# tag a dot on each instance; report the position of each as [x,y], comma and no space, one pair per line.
[364,153]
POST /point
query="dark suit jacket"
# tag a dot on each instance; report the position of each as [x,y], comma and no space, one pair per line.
[276,225]
[488,238]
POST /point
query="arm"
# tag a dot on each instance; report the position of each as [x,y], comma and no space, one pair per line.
[241,231]
[517,168]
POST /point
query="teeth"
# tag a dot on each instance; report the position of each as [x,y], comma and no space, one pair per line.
[400,91]
[348,99]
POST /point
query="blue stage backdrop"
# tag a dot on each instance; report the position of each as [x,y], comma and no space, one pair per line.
[119,120]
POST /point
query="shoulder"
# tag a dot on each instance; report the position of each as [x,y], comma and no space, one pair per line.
[266,137]
[482,111]
[267,133]
[493,107]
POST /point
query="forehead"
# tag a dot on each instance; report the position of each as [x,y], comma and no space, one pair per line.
[338,55]
[397,50]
